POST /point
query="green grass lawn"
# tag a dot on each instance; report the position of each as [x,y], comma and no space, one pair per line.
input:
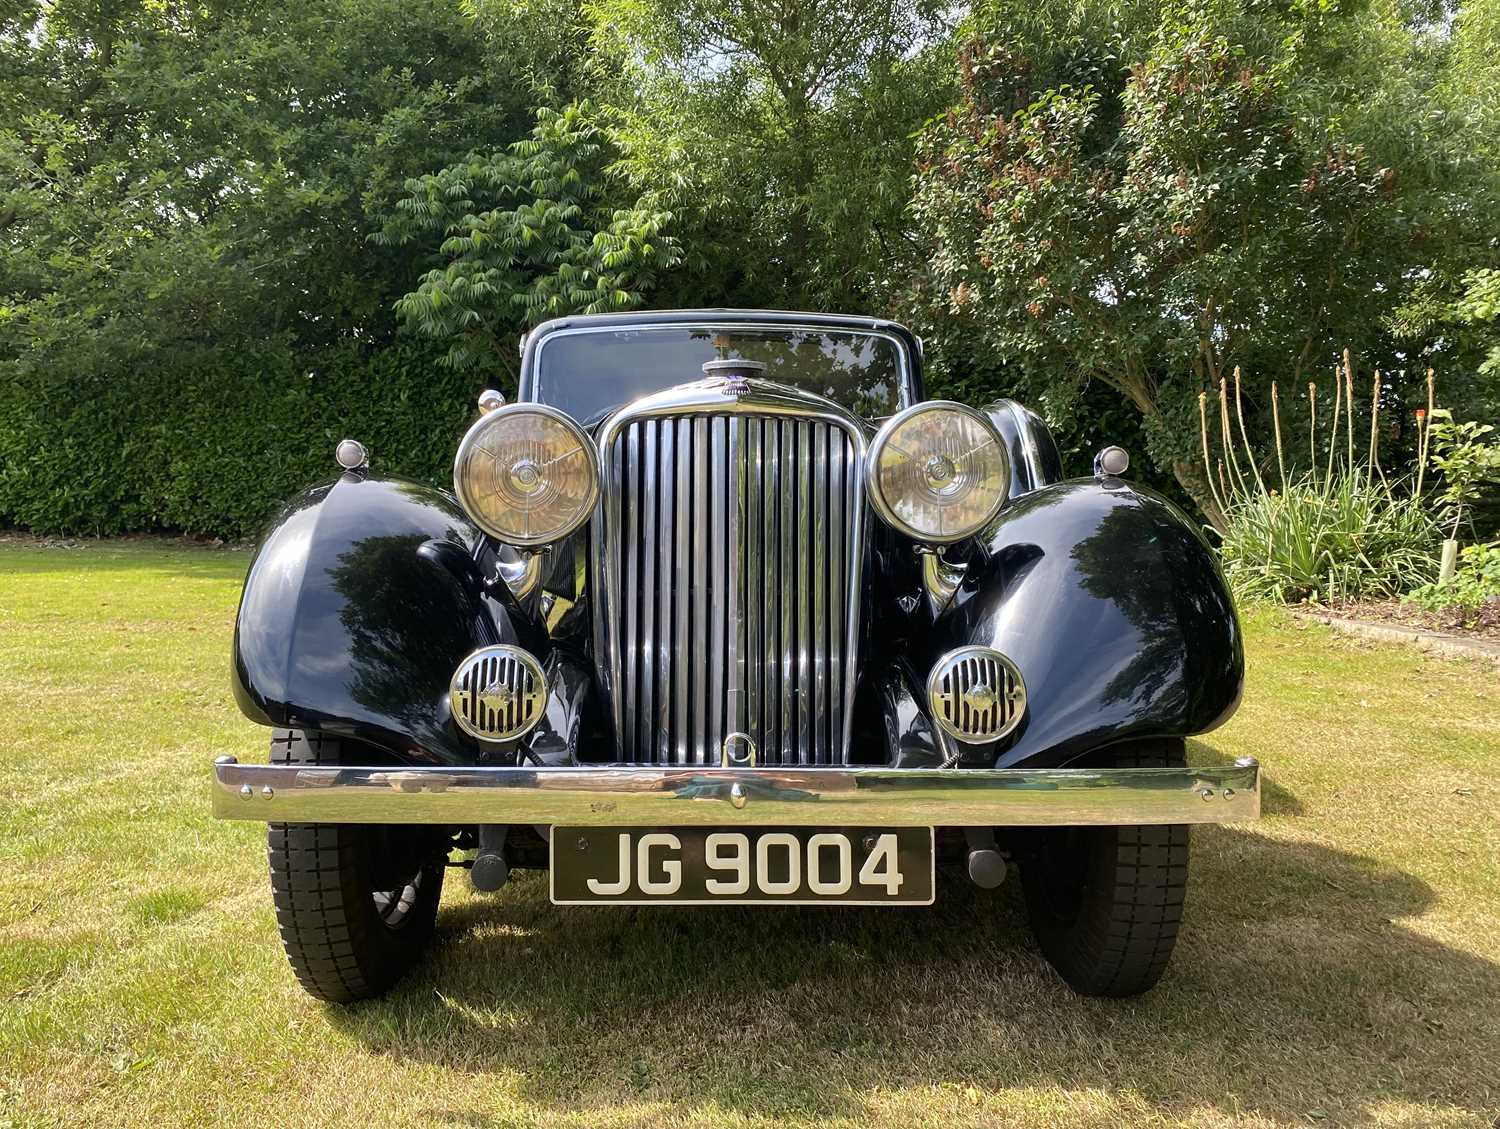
[1339,965]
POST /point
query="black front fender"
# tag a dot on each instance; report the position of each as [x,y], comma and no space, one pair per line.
[359,603]
[1115,612]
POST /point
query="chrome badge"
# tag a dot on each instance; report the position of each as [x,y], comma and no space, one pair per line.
[498,693]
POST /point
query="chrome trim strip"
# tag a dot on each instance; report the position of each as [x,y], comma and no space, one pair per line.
[717,416]
[698,796]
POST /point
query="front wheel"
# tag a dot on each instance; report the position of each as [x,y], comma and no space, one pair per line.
[1105,903]
[356,903]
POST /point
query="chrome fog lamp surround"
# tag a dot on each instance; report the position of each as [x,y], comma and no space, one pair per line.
[527,474]
[977,695]
[498,693]
[938,472]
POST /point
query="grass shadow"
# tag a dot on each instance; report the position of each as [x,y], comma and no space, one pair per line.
[1295,987]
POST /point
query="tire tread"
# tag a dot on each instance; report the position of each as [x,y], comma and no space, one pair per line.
[1128,922]
[322,906]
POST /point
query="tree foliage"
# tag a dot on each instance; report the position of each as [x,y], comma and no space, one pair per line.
[529,233]
[186,195]
[780,132]
[1223,194]
[234,229]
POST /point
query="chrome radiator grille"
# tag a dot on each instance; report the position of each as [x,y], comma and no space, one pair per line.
[730,547]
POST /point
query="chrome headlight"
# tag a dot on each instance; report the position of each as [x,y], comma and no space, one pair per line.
[938,472]
[528,475]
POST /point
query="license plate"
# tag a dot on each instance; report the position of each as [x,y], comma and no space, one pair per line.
[701,866]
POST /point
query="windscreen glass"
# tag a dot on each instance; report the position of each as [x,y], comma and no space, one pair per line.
[590,374]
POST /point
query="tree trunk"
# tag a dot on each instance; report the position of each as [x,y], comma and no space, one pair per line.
[1190,477]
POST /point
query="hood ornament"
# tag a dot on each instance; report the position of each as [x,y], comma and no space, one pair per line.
[731,375]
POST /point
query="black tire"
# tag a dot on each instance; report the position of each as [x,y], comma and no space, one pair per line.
[356,904]
[1105,902]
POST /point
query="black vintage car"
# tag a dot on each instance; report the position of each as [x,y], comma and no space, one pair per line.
[723,610]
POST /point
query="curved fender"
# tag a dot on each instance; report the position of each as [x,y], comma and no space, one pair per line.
[359,603]
[1113,608]
[1034,461]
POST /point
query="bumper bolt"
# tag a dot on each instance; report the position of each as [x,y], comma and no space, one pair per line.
[246,791]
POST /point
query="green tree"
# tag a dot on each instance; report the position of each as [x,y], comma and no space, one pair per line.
[780,135]
[530,233]
[186,198]
[1246,186]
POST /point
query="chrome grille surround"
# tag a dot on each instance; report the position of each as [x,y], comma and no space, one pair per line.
[976,694]
[727,560]
[498,693]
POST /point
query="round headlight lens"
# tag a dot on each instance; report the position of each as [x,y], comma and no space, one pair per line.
[938,472]
[528,475]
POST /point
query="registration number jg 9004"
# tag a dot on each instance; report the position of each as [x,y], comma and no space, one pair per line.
[758,866]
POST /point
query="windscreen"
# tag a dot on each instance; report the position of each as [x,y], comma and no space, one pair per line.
[590,374]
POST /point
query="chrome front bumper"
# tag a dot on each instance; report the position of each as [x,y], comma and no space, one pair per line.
[681,797]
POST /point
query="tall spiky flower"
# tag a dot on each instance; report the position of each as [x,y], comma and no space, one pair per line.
[1333,436]
[1276,422]
[1312,423]
[1239,415]
[1208,470]
[1349,405]
[1236,479]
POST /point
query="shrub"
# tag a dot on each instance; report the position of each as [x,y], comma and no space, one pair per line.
[1347,539]
[215,451]
[1347,533]
[1476,581]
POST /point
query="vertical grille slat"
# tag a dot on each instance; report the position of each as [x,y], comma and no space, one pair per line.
[775,689]
[717,579]
[750,501]
[732,574]
[645,703]
[697,593]
[682,581]
[786,546]
[803,567]
[665,586]
[837,587]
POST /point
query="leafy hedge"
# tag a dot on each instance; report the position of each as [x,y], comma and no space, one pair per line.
[215,452]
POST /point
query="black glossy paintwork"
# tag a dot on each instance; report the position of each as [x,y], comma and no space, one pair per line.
[1113,608]
[573,727]
[368,592]
[892,724]
[355,612]
[1034,461]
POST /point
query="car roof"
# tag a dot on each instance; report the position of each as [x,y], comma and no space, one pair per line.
[789,317]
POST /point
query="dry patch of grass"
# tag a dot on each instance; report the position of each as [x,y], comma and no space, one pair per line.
[1340,963]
